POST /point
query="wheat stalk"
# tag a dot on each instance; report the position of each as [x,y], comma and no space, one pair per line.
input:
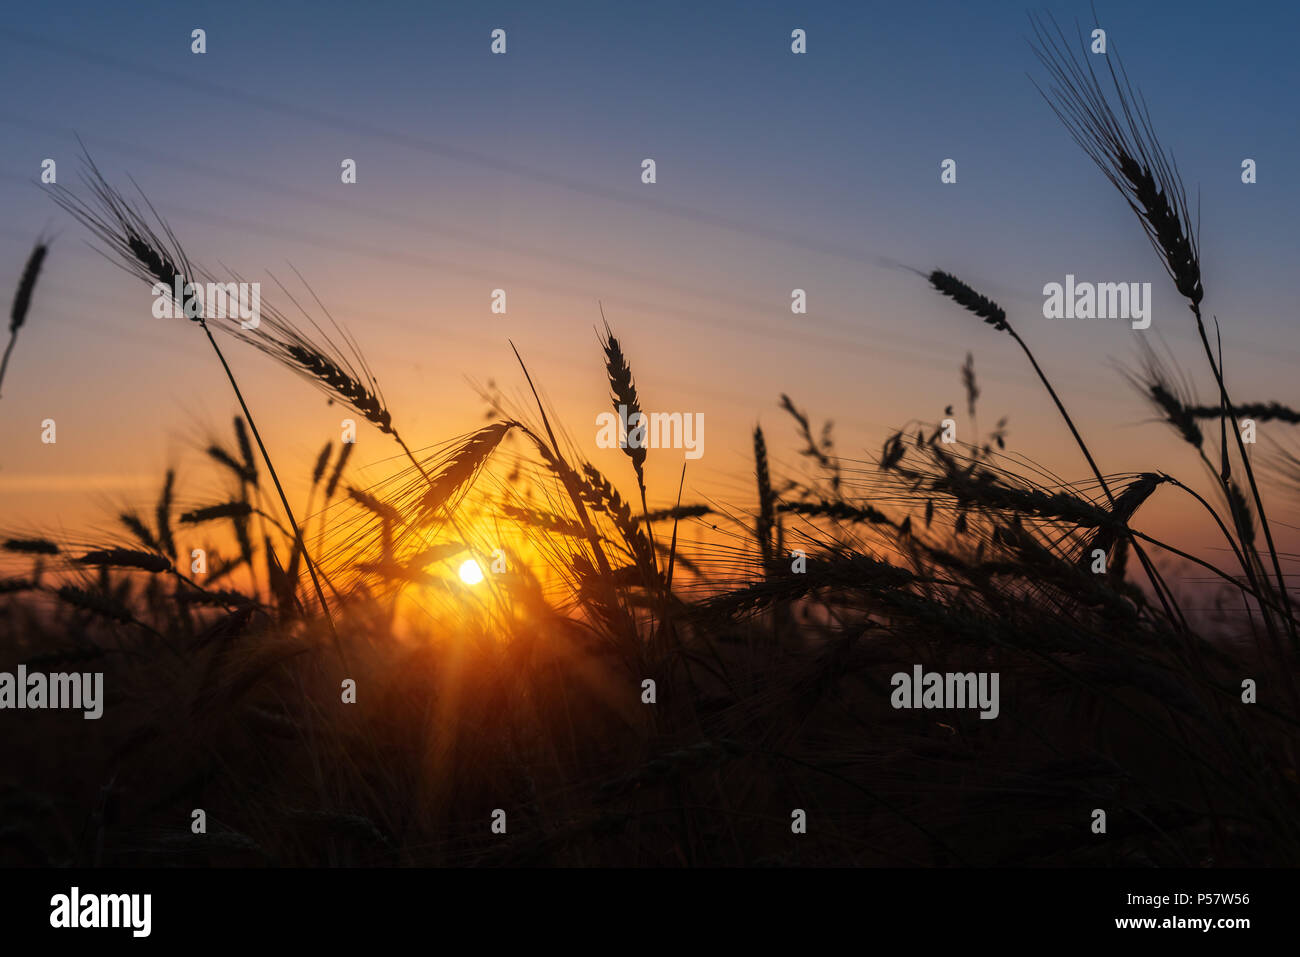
[1124,146]
[332,485]
[127,558]
[995,316]
[161,259]
[23,300]
[463,465]
[31,546]
[163,514]
[766,499]
[211,513]
[322,460]
[822,452]
[1121,140]
[969,299]
[624,396]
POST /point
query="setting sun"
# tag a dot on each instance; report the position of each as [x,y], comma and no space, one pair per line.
[470,573]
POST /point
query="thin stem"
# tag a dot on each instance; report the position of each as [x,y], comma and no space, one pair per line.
[1250,472]
[1253,587]
[567,477]
[284,500]
[4,363]
[1157,581]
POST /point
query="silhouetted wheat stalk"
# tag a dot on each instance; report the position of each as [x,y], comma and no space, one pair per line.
[994,315]
[211,513]
[626,401]
[766,500]
[31,546]
[823,450]
[339,465]
[1121,140]
[23,300]
[126,558]
[1171,397]
[155,259]
[1259,411]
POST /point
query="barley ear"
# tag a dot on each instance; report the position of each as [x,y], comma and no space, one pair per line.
[22,301]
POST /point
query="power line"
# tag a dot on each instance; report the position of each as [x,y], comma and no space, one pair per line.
[447,151]
[831,345]
[389,217]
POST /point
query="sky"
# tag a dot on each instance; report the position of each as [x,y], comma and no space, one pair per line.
[522,171]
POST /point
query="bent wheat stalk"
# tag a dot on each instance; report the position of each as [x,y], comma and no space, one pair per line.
[994,315]
[160,259]
[1120,138]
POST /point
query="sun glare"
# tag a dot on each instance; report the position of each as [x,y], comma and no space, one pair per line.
[470,573]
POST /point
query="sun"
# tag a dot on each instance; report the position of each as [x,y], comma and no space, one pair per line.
[470,573]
